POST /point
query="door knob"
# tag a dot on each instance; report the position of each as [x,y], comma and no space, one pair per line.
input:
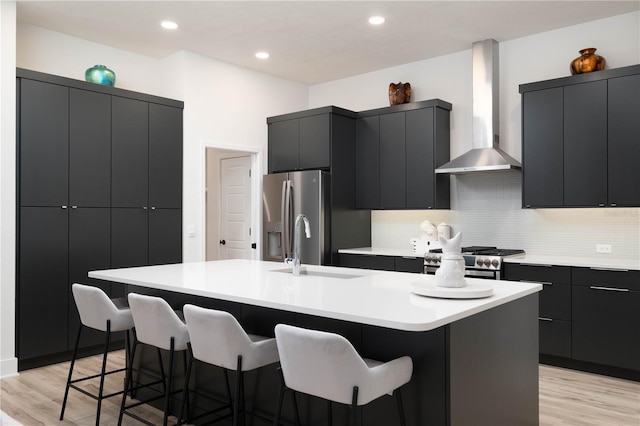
[223,242]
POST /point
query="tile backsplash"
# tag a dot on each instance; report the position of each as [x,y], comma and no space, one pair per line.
[486,208]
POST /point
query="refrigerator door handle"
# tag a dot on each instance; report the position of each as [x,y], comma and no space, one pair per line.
[283,215]
[286,221]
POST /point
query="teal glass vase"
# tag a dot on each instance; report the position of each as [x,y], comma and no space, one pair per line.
[100,74]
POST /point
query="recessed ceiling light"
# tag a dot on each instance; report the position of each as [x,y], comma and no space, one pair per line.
[262,55]
[376,20]
[169,25]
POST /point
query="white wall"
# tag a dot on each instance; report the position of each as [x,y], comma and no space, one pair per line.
[486,208]
[8,362]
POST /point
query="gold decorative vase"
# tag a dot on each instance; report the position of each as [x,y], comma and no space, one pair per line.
[588,61]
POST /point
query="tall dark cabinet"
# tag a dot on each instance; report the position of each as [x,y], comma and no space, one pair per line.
[580,140]
[86,160]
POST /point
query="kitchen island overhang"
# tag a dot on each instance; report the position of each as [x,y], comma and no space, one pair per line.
[473,359]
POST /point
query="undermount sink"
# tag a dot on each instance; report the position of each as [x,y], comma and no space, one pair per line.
[319,274]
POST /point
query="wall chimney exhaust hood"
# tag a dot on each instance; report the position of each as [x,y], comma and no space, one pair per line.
[486,154]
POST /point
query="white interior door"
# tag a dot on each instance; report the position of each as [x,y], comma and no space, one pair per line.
[235,208]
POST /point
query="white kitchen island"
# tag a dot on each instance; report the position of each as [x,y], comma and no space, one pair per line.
[475,360]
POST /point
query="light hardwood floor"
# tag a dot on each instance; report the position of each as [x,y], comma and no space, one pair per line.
[567,398]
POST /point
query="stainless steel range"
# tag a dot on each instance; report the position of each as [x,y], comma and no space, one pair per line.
[479,261]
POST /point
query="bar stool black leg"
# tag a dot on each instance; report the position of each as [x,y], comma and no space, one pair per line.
[73,362]
[167,389]
[103,371]
[354,407]
[400,407]
[128,382]
[329,413]
[185,391]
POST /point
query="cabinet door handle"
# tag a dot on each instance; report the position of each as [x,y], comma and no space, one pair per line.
[145,208]
[536,264]
[64,207]
[409,257]
[536,282]
[545,319]
[74,207]
[595,287]
[609,269]
[153,207]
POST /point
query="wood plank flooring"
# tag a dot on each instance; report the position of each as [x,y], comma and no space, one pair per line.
[567,398]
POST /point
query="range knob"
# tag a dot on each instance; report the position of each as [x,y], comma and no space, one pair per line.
[438,259]
[479,262]
[428,259]
[487,262]
[495,263]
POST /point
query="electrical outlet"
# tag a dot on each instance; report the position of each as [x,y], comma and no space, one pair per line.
[603,248]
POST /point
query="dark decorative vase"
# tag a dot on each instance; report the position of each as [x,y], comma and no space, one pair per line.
[100,74]
[399,93]
[588,61]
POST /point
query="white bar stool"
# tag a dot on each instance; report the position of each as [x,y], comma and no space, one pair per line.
[99,312]
[326,365]
[157,325]
[218,339]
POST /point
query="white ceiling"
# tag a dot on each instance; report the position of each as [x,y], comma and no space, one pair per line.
[310,41]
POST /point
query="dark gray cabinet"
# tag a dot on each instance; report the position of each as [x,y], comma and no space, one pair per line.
[86,151]
[147,183]
[397,151]
[89,148]
[413,264]
[554,304]
[580,140]
[589,317]
[89,249]
[303,140]
[44,149]
[623,141]
[367,162]
[392,164]
[606,318]
[427,147]
[543,150]
[585,144]
[130,153]
[43,275]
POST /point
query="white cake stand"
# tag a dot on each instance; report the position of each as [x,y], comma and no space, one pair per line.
[470,291]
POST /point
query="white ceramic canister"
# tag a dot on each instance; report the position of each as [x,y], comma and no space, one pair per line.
[428,231]
[444,231]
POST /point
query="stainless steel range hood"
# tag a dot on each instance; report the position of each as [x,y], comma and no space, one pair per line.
[486,154]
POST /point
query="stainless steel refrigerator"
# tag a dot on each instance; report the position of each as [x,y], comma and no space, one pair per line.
[284,196]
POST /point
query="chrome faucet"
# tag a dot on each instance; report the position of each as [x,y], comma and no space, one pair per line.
[295,262]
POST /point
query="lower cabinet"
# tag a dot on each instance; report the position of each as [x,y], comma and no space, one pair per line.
[383,263]
[554,305]
[43,297]
[586,314]
[606,317]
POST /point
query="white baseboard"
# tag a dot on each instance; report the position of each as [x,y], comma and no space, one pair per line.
[8,367]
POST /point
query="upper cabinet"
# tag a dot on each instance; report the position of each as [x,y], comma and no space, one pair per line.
[397,150]
[581,140]
[305,140]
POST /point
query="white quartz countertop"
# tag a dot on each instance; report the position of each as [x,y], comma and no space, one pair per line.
[604,261]
[379,298]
